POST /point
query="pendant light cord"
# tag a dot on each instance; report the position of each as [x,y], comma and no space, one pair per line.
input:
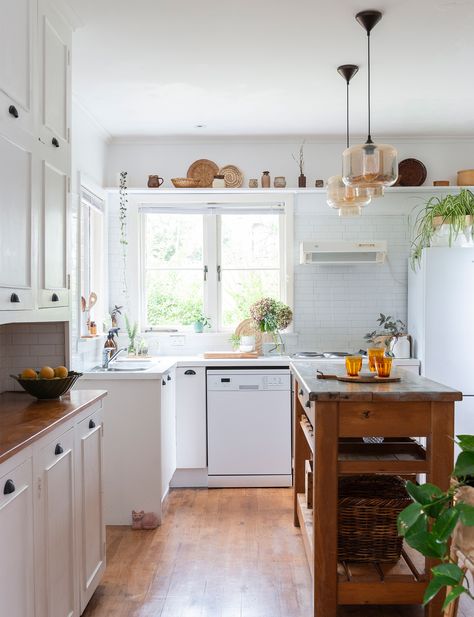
[369,136]
[347,114]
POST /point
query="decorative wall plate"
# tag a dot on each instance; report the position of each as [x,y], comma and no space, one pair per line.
[233,177]
[203,171]
[411,172]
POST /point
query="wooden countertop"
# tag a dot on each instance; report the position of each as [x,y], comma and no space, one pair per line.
[410,388]
[24,419]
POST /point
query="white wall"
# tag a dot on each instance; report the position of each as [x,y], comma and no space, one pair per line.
[442,157]
[89,151]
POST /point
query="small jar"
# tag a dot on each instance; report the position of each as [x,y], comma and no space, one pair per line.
[253,183]
[279,182]
[266,180]
[92,328]
[218,182]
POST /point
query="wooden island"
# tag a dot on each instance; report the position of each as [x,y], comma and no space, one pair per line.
[330,420]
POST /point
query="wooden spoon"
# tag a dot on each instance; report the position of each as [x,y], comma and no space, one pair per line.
[92,299]
[83,304]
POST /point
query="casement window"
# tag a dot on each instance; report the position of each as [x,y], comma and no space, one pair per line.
[92,276]
[215,259]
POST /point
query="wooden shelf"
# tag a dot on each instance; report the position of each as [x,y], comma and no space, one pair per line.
[402,456]
[374,582]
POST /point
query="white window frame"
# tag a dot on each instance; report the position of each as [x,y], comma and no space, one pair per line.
[211,249]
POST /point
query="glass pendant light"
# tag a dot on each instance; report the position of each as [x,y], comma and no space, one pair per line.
[370,166]
[347,199]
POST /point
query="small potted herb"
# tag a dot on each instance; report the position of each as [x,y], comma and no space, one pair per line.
[200,322]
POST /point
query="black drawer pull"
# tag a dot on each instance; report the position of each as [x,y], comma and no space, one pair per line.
[9,487]
[189,372]
[307,404]
[169,378]
[301,392]
[55,142]
[55,298]
[14,298]
[91,424]
[13,111]
[163,382]
[58,449]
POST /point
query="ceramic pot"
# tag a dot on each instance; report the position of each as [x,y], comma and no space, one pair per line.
[247,343]
[198,327]
[301,181]
[444,235]
[154,182]
[279,182]
[265,180]
[253,183]
[463,536]
[401,347]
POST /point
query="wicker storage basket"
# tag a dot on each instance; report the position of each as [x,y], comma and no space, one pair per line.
[367,520]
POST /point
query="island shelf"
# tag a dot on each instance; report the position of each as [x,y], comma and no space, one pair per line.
[331,420]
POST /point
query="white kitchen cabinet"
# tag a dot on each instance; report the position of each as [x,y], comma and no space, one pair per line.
[191,434]
[17,178]
[55,84]
[55,528]
[168,429]
[89,506]
[16,539]
[17,42]
[53,262]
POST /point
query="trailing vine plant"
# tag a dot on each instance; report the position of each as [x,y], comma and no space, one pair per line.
[123,198]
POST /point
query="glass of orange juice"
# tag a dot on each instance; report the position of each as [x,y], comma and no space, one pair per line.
[373,353]
[383,365]
[353,365]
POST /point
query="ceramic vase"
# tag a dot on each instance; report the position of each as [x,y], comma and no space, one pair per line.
[301,181]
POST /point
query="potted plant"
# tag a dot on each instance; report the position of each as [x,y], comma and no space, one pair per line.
[132,330]
[393,336]
[271,316]
[443,221]
[435,516]
[300,162]
[200,322]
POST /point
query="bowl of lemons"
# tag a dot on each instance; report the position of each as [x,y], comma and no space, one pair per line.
[47,383]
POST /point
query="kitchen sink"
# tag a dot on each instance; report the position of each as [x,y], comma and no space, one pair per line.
[129,367]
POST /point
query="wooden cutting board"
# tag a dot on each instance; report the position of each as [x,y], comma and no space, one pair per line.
[359,378]
[250,355]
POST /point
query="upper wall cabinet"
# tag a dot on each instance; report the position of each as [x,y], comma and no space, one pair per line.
[17,43]
[55,77]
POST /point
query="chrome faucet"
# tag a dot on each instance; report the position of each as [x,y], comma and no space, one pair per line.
[108,356]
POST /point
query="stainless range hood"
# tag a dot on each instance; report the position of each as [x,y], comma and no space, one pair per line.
[340,252]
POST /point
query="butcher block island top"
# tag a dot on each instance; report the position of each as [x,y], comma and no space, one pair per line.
[24,419]
[411,387]
[331,420]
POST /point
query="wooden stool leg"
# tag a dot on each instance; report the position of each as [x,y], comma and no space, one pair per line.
[325,489]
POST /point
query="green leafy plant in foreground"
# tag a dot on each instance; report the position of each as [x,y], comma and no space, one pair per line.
[427,524]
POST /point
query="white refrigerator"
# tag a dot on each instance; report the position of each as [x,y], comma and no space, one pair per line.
[441,322]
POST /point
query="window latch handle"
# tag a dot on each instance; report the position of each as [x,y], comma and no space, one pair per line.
[206,270]
[219,274]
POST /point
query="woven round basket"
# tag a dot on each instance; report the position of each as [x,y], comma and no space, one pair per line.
[233,177]
[48,388]
[203,172]
[367,517]
[185,183]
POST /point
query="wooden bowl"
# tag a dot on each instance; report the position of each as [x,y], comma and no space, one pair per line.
[48,388]
[466,177]
[184,183]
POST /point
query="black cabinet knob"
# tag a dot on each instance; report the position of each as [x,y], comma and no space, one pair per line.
[13,111]
[307,404]
[189,372]
[14,298]
[55,142]
[58,449]
[91,424]
[301,392]
[55,298]
[163,382]
[9,487]
[169,378]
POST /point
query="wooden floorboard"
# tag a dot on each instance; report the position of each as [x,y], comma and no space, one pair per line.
[218,553]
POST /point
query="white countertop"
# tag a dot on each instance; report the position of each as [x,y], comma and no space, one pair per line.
[162,364]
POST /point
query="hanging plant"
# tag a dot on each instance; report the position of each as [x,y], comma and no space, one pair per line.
[123,198]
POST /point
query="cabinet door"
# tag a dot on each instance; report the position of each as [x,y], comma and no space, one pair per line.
[53,275]
[17,39]
[55,45]
[16,541]
[91,529]
[168,431]
[191,417]
[16,206]
[57,577]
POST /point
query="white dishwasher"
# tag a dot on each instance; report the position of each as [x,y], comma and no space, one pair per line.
[249,427]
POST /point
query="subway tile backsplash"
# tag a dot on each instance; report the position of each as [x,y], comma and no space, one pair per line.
[32,345]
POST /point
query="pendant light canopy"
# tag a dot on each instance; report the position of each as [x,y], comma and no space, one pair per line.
[347,199]
[370,166]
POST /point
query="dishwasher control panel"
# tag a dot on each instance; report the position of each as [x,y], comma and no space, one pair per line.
[248,380]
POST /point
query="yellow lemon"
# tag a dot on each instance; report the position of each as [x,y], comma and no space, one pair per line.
[29,373]
[61,372]
[46,372]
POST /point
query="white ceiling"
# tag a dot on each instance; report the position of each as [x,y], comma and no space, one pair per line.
[160,67]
